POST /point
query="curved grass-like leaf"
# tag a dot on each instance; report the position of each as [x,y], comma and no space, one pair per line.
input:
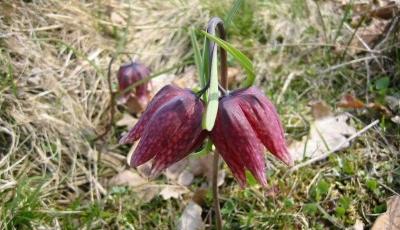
[243,60]
[212,104]
[197,58]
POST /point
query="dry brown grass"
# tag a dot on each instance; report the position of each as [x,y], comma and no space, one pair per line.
[58,52]
[54,95]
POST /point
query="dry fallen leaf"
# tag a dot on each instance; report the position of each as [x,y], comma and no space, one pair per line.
[385,12]
[359,225]
[185,178]
[134,105]
[127,178]
[173,171]
[147,192]
[393,103]
[188,79]
[191,218]
[173,191]
[127,120]
[379,108]
[390,220]
[320,109]
[200,196]
[326,133]
[184,171]
[351,102]
[395,119]
[143,189]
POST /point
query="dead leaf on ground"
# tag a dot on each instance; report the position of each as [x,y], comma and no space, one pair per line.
[393,103]
[185,178]
[188,79]
[145,190]
[184,171]
[134,105]
[191,218]
[359,225]
[320,109]
[173,191]
[173,171]
[383,9]
[200,196]
[351,102]
[386,12]
[380,108]
[327,132]
[370,20]
[390,220]
[127,178]
[127,120]
[395,119]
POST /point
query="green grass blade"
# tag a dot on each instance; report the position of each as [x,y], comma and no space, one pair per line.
[205,65]
[243,60]
[212,104]
[197,58]
[232,13]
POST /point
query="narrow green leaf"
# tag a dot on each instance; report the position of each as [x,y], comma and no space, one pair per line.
[250,178]
[243,60]
[205,66]
[212,105]
[232,13]
[197,57]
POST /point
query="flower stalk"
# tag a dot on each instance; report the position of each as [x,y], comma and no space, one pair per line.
[214,24]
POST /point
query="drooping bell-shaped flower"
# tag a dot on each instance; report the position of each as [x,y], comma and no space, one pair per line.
[246,122]
[128,75]
[169,129]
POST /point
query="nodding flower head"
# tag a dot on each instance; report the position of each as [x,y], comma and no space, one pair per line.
[246,122]
[169,129]
[128,75]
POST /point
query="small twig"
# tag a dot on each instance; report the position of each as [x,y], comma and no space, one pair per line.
[285,86]
[112,102]
[335,67]
[367,47]
[327,154]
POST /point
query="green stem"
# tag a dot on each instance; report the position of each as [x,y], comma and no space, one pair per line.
[213,24]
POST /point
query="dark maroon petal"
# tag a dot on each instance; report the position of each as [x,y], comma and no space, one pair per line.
[237,142]
[264,119]
[165,94]
[171,133]
[221,143]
